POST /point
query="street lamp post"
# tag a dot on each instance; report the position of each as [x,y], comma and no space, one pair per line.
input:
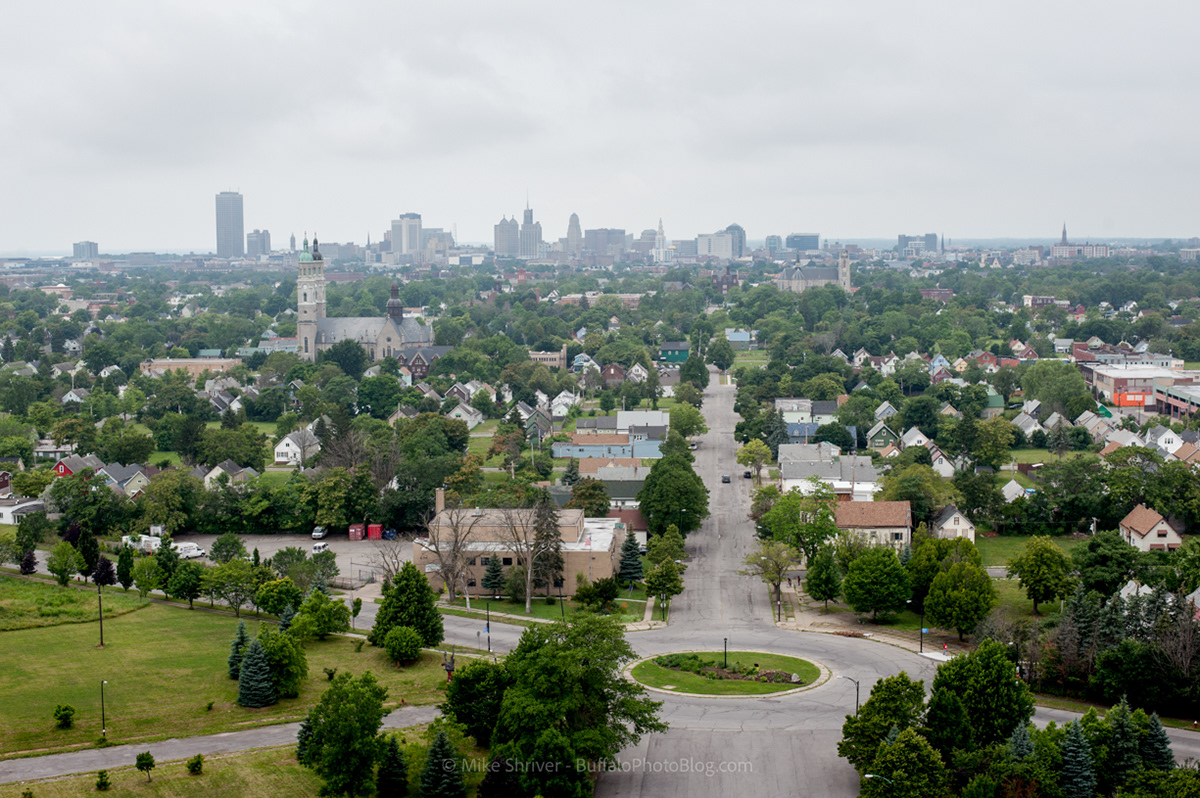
[488,627]
[103,718]
[922,630]
[727,653]
[876,776]
[663,602]
[855,691]
[562,609]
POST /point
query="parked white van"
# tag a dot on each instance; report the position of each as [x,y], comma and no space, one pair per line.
[320,547]
[188,551]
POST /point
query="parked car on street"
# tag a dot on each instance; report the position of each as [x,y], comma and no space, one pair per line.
[319,533]
[725,478]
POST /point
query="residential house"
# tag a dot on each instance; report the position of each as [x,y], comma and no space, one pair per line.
[73,464]
[850,477]
[128,479]
[561,405]
[879,523]
[1055,420]
[618,444]
[994,406]
[881,436]
[297,448]
[794,410]
[13,508]
[807,451]
[637,373]
[612,375]
[1162,438]
[1097,427]
[539,425]
[950,523]
[674,351]
[403,411]
[823,412]
[466,413]
[235,474]
[582,362]
[941,462]
[884,411]
[743,340]
[76,395]
[1012,491]
[460,392]
[1146,530]
[1027,424]
[913,437]
[889,451]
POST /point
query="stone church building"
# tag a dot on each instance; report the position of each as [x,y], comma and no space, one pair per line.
[801,278]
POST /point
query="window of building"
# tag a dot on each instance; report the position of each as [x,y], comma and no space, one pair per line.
[471,561]
[1162,533]
[484,560]
[506,561]
[470,583]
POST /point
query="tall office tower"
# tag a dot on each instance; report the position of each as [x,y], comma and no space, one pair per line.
[86,250]
[292,246]
[604,241]
[531,236]
[231,233]
[406,234]
[662,252]
[803,242]
[739,240]
[774,244]
[507,238]
[574,235]
[258,243]
[915,245]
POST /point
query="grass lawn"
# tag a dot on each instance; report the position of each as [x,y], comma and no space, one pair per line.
[654,675]
[171,457]
[549,612]
[274,478]
[272,771]
[28,605]
[163,665]
[1002,548]
[1040,456]
[1010,595]
[265,427]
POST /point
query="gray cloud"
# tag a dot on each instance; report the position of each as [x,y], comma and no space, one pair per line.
[121,120]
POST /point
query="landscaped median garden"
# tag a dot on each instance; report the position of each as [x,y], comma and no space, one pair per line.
[717,673]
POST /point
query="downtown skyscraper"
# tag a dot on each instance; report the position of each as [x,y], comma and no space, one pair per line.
[230,225]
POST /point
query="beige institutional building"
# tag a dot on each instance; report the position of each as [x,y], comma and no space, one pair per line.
[590,546]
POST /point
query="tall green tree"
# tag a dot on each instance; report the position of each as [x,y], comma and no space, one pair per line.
[493,576]
[876,582]
[185,583]
[125,567]
[687,420]
[823,580]
[673,494]
[1078,776]
[803,519]
[391,777]
[567,678]
[771,561]
[986,682]
[960,598]
[591,496]
[694,371]
[287,660]
[1043,570]
[256,687]
[1105,562]
[914,768]
[720,354]
[630,568]
[320,616]
[237,650]
[408,602]
[946,724]
[341,740]
[895,701]
[754,455]
[227,547]
[474,696]
[1156,746]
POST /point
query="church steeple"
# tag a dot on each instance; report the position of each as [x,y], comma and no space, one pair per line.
[395,308]
[1064,238]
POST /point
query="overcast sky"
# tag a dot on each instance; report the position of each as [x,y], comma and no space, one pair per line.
[120,121]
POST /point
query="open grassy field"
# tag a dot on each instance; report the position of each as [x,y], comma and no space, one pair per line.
[273,771]
[1010,595]
[163,665]
[654,675]
[1002,548]
[1041,456]
[274,478]
[29,605]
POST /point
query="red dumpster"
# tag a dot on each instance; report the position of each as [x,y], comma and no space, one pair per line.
[357,531]
[375,531]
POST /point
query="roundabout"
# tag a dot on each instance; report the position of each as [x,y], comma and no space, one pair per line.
[733,674]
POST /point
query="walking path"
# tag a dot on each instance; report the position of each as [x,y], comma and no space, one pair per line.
[93,759]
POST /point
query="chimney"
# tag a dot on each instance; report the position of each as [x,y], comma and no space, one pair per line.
[439,500]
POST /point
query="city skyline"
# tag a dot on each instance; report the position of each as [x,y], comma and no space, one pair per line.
[858,127]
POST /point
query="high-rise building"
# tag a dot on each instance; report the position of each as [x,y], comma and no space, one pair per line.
[662,252]
[86,250]
[292,243]
[738,236]
[406,234]
[574,235]
[531,237]
[507,238]
[803,242]
[715,245]
[258,243]
[231,231]
[604,241]
[774,244]
[915,245]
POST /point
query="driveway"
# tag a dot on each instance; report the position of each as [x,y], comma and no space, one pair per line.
[353,557]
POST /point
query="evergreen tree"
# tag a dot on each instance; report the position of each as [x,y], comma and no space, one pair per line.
[775,431]
[631,560]
[547,543]
[125,567]
[1156,747]
[29,563]
[442,776]
[391,779]
[1112,624]
[1084,611]
[408,602]
[302,738]
[1124,755]
[500,781]
[237,650]
[285,618]
[1077,777]
[823,580]
[493,577]
[256,687]
[571,475]
[1020,745]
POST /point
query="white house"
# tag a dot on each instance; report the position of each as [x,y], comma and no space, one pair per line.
[470,415]
[1146,530]
[914,437]
[951,523]
[297,448]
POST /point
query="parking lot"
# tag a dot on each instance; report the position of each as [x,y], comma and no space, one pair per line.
[353,557]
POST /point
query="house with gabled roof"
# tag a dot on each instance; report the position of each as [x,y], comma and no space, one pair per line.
[881,436]
[297,448]
[1027,424]
[878,523]
[950,523]
[74,463]
[467,414]
[913,437]
[885,411]
[235,473]
[1012,491]
[1146,530]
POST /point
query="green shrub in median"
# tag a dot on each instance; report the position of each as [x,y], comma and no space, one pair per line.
[403,644]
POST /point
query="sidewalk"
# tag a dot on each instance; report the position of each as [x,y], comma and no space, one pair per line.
[93,759]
